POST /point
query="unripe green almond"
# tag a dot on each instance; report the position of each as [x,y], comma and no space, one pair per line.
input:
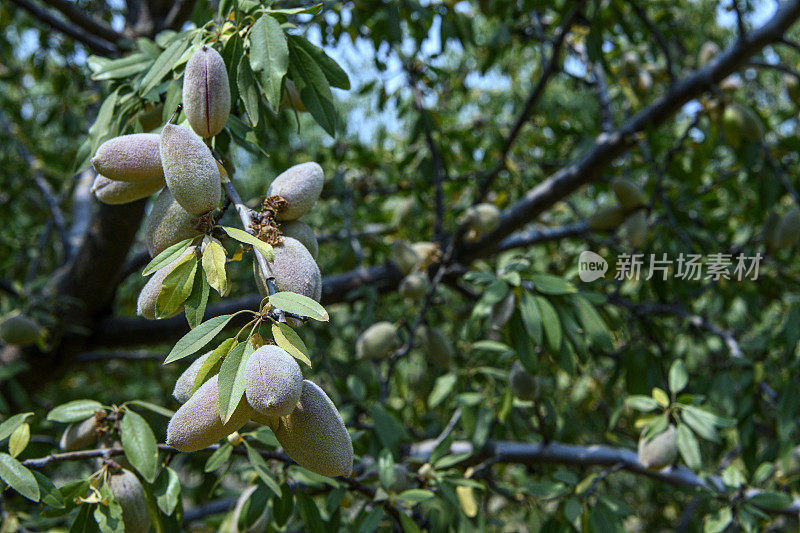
[708,51]
[788,231]
[206,92]
[607,218]
[404,256]
[270,421]
[272,381]
[129,494]
[428,253]
[183,387]
[303,233]
[257,524]
[414,286]
[300,186]
[436,346]
[19,329]
[79,435]
[294,270]
[377,341]
[150,117]
[168,223]
[636,228]
[190,170]
[630,195]
[291,97]
[114,192]
[133,157]
[197,424]
[314,434]
[483,218]
[523,385]
[660,451]
[146,303]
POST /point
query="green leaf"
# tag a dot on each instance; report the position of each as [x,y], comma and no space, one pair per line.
[442,389]
[139,444]
[214,266]
[699,426]
[531,318]
[246,238]
[108,513]
[163,65]
[678,377]
[9,426]
[74,411]
[177,286]
[197,338]
[688,447]
[552,325]
[314,89]
[99,131]
[335,75]
[211,365]
[412,497]
[19,477]
[230,384]
[289,340]
[291,302]
[163,411]
[125,67]
[661,397]
[719,521]
[262,469]
[594,326]
[770,500]
[84,521]
[547,284]
[248,90]
[19,440]
[50,495]
[167,490]
[409,526]
[195,306]
[269,57]
[166,257]
[641,402]
[219,457]
[313,10]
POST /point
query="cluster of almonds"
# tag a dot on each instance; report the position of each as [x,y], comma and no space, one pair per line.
[305,421]
[630,211]
[180,164]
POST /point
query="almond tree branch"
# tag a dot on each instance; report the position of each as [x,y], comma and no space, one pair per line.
[84,20]
[95,44]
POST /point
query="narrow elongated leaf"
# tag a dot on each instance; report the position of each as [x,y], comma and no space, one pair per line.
[230,384]
[19,440]
[219,457]
[74,411]
[414,496]
[99,131]
[163,411]
[261,468]
[335,75]
[166,257]
[139,444]
[167,490]
[552,325]
[289,340]
[314,89]
[291,302]
[9,426]
[20,478]
[177,287]
[195,306]
[50,495]
[641,402]
[547,284]
[108,513]
[211,365]
[246,238]
[531,318]
[248,90]
[313,10]
[214,266]
[163,65]
[269,56]
[123,68]
[688,447]
[84,520]
[678,376]
[197,338]
[593,324]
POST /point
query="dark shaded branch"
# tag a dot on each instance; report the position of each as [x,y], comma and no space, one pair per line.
[539,235]
[82,19]
[95,44]
[608,147]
